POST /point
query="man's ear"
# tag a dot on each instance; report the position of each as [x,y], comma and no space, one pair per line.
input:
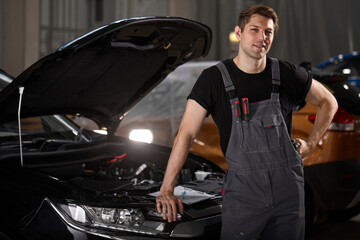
[237,31]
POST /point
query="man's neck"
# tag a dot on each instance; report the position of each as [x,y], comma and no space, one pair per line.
[250,65]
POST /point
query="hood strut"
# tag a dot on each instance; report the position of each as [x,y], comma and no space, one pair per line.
[21,91]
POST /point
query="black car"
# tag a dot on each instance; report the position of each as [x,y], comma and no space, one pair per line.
[61,181]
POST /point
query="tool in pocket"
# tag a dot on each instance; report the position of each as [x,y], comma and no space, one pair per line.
[242,110]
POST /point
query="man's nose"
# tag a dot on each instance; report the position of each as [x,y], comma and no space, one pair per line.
[262,35]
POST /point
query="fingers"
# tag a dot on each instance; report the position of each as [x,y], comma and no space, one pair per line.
[170,211]
[167,206]
[164,211]
[161,207]
[158,206]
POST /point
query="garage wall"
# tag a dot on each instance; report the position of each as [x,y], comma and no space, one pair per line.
[316,30]
[309,30]
[2,33]
[19,31]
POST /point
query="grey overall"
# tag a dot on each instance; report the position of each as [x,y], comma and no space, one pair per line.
[264,185]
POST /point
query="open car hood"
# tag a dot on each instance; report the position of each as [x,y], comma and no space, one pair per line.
[105,72]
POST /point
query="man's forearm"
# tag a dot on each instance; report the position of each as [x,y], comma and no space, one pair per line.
[190,126]
[176,161]
[166,202]
[319,96]
[324,117]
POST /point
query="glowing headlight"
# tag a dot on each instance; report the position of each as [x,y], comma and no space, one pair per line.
[141,135]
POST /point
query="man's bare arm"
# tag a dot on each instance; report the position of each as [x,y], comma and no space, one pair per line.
[190,126]
[319,96]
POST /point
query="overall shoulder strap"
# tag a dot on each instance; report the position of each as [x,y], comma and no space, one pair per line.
[275,73]
[229,86]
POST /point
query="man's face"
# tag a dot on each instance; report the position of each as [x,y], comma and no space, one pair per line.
[256,39]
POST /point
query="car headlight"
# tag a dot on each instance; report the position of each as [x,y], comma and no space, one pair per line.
[115,216]
[100,219]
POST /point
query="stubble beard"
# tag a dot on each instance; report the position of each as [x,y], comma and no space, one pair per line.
[256,55]
[261,49]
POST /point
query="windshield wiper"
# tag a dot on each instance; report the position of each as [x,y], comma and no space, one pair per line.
[36,144]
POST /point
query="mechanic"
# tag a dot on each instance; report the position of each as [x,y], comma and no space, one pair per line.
[250,98]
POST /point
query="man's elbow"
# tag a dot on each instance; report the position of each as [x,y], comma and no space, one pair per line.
[184,137]
[332,104]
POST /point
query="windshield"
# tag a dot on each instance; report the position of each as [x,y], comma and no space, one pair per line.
[4,79]
[159,113]
[53,127]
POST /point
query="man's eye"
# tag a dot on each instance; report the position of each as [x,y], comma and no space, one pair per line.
[268,33]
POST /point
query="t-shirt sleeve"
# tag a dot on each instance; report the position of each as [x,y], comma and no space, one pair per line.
[204,90]
[297,82]
[304,81]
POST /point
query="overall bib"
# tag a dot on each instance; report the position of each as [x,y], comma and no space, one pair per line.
[264,185]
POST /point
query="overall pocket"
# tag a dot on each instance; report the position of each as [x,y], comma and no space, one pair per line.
[261,135]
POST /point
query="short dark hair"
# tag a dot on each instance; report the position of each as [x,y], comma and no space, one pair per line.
[262,10]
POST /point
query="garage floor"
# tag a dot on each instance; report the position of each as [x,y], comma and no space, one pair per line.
[349,230]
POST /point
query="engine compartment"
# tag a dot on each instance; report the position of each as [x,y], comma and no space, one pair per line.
[117,167]
[137,172]
[116,174]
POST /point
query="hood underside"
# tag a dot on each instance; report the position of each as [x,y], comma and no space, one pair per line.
[104,73]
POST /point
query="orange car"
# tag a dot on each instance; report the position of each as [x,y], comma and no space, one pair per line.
[332,170]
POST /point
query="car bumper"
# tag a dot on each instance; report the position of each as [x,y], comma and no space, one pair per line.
[50,223]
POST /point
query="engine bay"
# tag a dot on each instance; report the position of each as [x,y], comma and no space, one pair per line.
[126,168]
[120,174]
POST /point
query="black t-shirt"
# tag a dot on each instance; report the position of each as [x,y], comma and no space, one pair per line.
[209,92]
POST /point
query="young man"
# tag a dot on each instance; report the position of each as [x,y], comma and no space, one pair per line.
[264,185]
